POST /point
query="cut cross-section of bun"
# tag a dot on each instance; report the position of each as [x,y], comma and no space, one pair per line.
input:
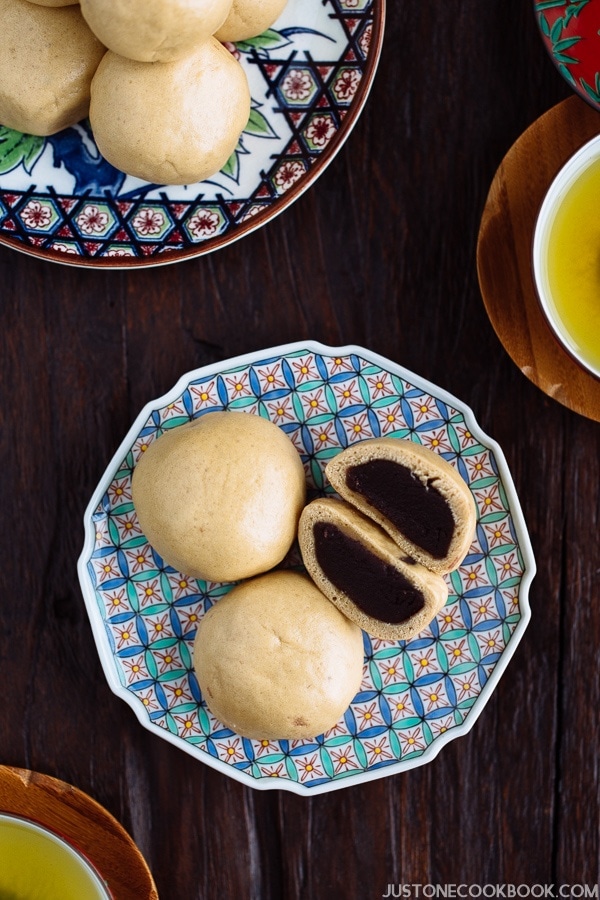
[418,497]
[363,572]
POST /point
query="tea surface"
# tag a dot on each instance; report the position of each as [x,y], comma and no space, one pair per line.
[574,264]
[34,867]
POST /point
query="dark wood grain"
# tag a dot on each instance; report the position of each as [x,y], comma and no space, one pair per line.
[381,251]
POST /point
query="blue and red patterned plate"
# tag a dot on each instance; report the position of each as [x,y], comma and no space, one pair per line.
[415,696]
[309,77]
[570,30]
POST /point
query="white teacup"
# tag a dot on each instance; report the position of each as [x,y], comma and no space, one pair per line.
[37,862]
[566,257]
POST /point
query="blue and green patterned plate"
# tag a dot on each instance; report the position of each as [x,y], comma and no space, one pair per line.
[415,696]
[309,78]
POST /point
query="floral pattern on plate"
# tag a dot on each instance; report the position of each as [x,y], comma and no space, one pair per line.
[414,695]
[309,77]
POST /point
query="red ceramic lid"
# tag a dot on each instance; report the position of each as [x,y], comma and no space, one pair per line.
[570,30]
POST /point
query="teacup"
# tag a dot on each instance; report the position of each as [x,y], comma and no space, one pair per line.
[566,256]
[37,862]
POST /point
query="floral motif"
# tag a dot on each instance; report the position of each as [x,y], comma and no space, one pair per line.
[297,84]
[204,395]
[412,741]
[365,41]
[320,130]
[92,220]
[119,252]
[344,758]
[203,223]
[37,215]
[346,84]
[314,403]
[188,725]
[281,411]
[148,221]
[61,247]
[288,174]
[271,378]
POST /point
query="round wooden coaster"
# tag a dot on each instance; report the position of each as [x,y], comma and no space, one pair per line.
[82,821]
[504,253]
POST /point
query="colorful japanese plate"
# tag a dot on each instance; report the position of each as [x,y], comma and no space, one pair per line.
[415,696]
[309,78]
[570,30]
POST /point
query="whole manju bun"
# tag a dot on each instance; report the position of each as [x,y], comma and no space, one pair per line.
[276,660]
[47,62]
[154,30]
[170,122]
[219,498]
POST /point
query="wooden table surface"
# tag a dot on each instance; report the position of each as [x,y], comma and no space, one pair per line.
[380,252]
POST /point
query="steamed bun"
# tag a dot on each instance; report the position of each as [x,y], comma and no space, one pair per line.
[46,66]
[154,30]
[276,660]
[173,122]
[219,498]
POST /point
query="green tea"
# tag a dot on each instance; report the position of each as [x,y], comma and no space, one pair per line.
[574,265]
[36,866]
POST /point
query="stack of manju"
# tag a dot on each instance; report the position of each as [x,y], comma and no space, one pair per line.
[167,102]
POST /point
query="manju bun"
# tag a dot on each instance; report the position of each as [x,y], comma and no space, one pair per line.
[358,567]
[413,493]
[172,122]
[276,660]
[46,66]
[219,498]
[154,30]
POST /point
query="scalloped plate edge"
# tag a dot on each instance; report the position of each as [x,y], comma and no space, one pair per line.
[97,625]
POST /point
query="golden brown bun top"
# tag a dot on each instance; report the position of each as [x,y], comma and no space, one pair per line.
[170,122]
[48,58]
[154,30]
[220,497]
[275,659]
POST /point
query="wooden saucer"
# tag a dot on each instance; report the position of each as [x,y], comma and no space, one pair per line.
[85,823]
[504,249]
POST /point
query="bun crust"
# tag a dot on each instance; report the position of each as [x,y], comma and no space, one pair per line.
[46,66]
[386,594]
[276,660]
[172,122]
[220,497]
[425,506]
[154,30]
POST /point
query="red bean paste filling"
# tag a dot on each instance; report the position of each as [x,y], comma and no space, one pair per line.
[376,587]
[417,509]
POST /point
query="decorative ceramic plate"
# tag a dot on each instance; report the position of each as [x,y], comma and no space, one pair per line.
[571,33]
[415,696]
[309,77]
